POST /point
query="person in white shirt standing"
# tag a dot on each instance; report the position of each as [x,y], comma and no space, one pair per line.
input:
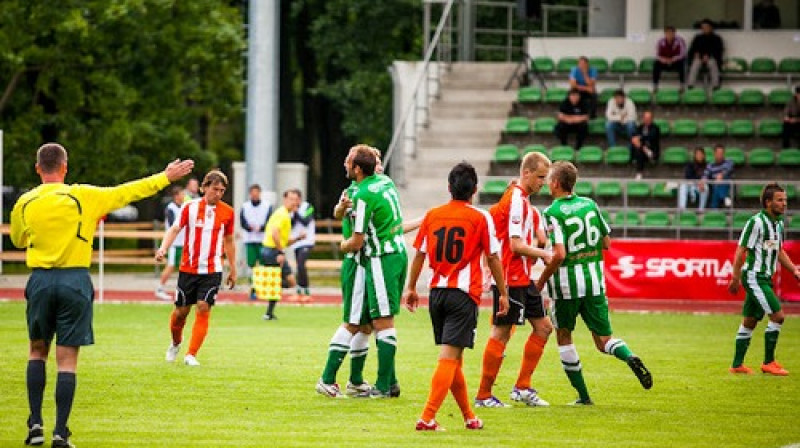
[253,217]
[171,214]
[303,224]
[620,116]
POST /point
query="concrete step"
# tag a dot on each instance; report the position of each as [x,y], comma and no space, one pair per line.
[478,96]
[470,110]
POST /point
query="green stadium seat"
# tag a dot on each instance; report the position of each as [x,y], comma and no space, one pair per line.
[789,157]
[694,97]
[605,95]
[597,126]
[535,148]
[723,97]
[770,127]
[646,65]
[684,127]
[763,65]
[640,96]
[661,190]
[789,65]
[565,64]
[663,126]
[741,128]
[590,154]
[543,64]
[583,188]
[495,187]
[714,220]
[544,191]
[713,128]
[529,95]
[734,65]
[748,191]
[779,97]
[618,155]
[600,64]
[761,157]
[657,218]
[740,219]
[791,191]
[623,65]
[735,155]
[608,189]
[506,154]
[638,189]
[626,217]
[562,153]
[544,125]
[518,125]
[668,96]
[555,95]
[751,97]
[709,153]
[675,155]
[688,219]
[606,216]
[794,223]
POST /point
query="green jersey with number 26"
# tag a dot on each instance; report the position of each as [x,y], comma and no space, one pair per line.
[576,223]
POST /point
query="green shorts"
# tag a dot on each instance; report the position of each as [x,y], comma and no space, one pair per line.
[253,251]
[386,277]
[760,298]
[353,283]
[593,310]
[59,302]
[174,256]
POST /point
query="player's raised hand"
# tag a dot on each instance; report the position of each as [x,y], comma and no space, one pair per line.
[502,306]
[178,168]
[411,299]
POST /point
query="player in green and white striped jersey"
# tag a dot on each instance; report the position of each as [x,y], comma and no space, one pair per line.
[761,242]
[574,278]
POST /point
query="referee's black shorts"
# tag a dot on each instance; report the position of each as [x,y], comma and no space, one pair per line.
[454,316]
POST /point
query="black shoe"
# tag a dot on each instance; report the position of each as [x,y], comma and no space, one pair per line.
[35,435]
[59,442]
[270,317]
[394,390]
[582,402]
[641,372]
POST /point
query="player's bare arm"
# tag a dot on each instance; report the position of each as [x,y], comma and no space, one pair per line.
[229,246]
[738,262]
[496,267]
[410,296]
[412,225]
[169,237]
[606,242]
[559,254]
[520,248]
[787,264]
[353,244]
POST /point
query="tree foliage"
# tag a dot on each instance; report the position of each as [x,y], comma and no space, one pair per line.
[125,85]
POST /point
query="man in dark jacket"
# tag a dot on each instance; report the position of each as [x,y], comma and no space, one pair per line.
[706,50]
[645,143]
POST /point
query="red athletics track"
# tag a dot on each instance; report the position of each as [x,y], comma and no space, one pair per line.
[644,305]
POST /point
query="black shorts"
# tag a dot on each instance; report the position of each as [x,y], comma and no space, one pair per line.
[193,288]
[524,302]
[454,316]
[59,303]
[269,257]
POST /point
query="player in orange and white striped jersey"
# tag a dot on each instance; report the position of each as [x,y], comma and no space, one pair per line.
[209,225]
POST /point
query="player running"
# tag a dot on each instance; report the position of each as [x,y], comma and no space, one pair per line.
[522,236]
[757,256]
[579,234]
[209,225]
[454,237]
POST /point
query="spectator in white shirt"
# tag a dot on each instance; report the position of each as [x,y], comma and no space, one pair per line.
[620,116]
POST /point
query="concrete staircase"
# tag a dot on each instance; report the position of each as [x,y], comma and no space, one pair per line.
[465,124]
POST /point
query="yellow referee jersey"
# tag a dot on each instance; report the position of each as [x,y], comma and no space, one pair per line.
[281,220]
[56,222]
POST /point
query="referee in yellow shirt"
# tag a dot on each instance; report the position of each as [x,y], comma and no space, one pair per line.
[276,240]
[55,223]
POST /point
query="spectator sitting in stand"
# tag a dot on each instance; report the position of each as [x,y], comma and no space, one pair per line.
[572,117]
[791,119]
[620,115]
[670,56]
[584,79]
[695,191]
[706,50]
[719,170]
[645,143]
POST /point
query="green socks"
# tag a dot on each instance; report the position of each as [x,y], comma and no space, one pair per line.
[359,347]
[770,341]
[619,349]
[572,367]
[387,347]
[337,350]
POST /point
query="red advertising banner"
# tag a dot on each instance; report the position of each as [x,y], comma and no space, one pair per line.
[688,270]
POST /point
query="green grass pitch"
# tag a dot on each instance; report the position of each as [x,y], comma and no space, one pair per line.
[256,386]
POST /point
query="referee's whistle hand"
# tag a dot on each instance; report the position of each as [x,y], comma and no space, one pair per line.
[178,168]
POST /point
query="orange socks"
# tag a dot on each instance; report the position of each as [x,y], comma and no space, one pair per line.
[440,385]
[530,359]
[199,331]
[492,359]
[176,326]
[459,390]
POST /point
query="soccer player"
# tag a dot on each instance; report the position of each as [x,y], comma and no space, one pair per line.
[276,241]
[378,230]
[454,237]
[175,252]
[757,256]
[522,237]
[209,225]
[56,222]
[304,228]
[253,219]
[579,234]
